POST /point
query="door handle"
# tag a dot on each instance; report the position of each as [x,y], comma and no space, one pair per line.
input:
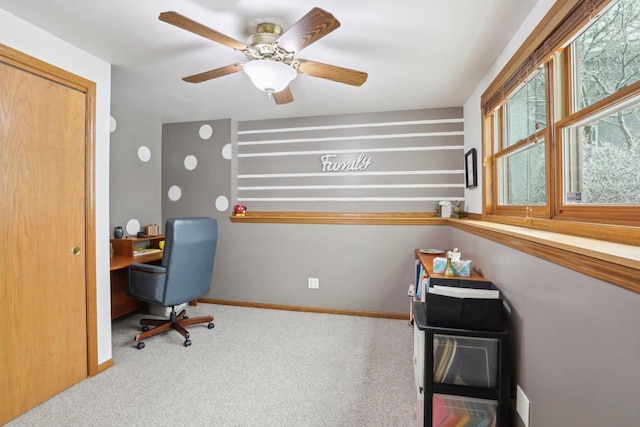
[75,250]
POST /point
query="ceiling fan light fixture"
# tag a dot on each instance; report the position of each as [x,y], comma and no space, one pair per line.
[269,76]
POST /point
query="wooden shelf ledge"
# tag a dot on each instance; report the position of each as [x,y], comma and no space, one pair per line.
[364,218]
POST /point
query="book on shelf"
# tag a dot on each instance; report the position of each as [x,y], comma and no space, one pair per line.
[425,285]
[453,344]
[419,274]
[445,358]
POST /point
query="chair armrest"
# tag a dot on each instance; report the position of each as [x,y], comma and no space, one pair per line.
[148,268]
[146,282]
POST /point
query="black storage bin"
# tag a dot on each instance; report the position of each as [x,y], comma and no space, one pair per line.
[465,313]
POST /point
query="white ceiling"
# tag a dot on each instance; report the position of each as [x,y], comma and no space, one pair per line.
[418,53]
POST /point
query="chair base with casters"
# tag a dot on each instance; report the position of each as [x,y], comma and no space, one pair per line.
[176,321]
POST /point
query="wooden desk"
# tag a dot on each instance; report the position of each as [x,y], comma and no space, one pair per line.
[121,303]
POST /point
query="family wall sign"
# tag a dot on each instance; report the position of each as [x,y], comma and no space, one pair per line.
[330,163]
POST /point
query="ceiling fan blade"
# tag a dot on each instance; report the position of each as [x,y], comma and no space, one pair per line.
[283,97]
[212,74]
[332,72]
[185,23]
[310,28]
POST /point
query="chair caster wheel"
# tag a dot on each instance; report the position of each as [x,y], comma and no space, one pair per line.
[187,343]
[145,328]
[140,345]
[185,317]
[211,325]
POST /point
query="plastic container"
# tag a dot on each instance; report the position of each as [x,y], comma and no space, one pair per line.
[465,360]
[463,411]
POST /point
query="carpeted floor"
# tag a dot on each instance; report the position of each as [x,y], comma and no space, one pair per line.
[255,368]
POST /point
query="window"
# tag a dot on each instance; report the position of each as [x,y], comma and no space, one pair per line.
[601,151]
[522,175]
[601,155]
[520,153]
[526,110]
[606,56]
[562,127]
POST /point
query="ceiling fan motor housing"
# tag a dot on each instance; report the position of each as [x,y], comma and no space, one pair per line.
[262,45]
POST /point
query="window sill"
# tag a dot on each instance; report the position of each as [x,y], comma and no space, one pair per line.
[616,263]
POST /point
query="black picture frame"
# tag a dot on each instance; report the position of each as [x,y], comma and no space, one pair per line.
[470,168]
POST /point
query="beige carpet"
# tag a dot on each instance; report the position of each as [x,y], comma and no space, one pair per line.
[255,368]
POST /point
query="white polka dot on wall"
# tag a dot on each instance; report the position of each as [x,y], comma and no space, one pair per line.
[144,154]
[113,125]
[175,193]
[206,131]
[226,151]
[222,203]
[190,162]
[133,226]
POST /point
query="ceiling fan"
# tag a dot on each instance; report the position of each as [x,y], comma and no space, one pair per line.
[271,53]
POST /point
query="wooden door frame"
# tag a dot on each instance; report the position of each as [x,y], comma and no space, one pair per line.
[40,68]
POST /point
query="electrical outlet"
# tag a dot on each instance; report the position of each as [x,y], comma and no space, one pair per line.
[313,282]
[522,406]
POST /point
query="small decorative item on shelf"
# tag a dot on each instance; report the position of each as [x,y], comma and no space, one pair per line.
[239,210]
[448,271]
[445,209]
[118,232]
[458,209]
[152,230]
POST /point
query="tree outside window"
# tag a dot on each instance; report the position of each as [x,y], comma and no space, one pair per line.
[602,153]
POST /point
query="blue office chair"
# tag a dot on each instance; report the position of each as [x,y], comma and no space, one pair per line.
[183,275]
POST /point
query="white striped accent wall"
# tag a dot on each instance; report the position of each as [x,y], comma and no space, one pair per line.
[377,162]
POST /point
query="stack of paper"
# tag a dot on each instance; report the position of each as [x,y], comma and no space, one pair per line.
[145,251]
[451,291]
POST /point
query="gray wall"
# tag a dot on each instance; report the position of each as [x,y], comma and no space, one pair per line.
[134,184]
[366,268]
[577,353]
[359,267]
[205,188]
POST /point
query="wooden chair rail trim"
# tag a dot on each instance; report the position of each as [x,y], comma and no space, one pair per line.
[610,261]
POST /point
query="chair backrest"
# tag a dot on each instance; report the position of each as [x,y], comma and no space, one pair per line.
[189,252]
